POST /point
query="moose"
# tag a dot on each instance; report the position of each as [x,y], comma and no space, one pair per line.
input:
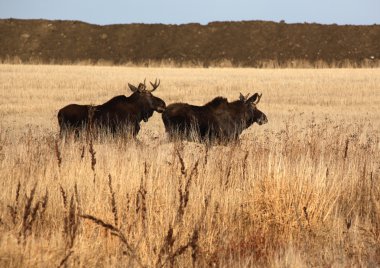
[218,120]
[117,114]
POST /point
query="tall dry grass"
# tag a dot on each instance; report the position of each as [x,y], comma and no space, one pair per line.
[302,190]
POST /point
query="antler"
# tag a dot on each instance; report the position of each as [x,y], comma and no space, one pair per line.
[142,86]
[155,85]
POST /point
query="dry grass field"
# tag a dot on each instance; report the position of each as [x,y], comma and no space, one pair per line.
[302,190]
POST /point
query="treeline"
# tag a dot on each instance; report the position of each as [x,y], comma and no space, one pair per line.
[244,44]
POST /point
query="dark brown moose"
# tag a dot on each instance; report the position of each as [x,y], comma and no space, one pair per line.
[118,114]
[218,120]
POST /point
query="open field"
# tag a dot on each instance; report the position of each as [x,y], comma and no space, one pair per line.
[302,190]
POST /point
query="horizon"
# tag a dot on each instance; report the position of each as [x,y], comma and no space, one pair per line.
[172,12]
[186,23]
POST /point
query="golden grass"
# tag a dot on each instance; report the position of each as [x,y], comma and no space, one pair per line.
[302,190]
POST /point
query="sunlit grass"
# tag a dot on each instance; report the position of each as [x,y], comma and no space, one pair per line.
[302,190]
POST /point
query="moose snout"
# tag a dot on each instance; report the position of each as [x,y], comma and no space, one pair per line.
[161,109]
[262,120]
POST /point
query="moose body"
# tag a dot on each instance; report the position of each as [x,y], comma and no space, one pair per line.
[217,120]
[120,113]
[73,117]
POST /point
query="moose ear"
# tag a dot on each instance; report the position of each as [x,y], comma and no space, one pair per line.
[241,97]
[132,87]
[253,98]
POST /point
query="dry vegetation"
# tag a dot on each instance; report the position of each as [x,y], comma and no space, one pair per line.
[302,190]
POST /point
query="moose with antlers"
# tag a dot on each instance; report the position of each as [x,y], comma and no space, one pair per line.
[218,120]
[120,113]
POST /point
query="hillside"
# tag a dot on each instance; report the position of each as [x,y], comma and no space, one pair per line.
[248,43]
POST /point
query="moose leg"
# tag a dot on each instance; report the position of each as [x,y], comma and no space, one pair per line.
[135,130]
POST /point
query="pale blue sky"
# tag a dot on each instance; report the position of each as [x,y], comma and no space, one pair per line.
[201,11]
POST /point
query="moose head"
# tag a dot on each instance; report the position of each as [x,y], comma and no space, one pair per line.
[252,114]
[146,100]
